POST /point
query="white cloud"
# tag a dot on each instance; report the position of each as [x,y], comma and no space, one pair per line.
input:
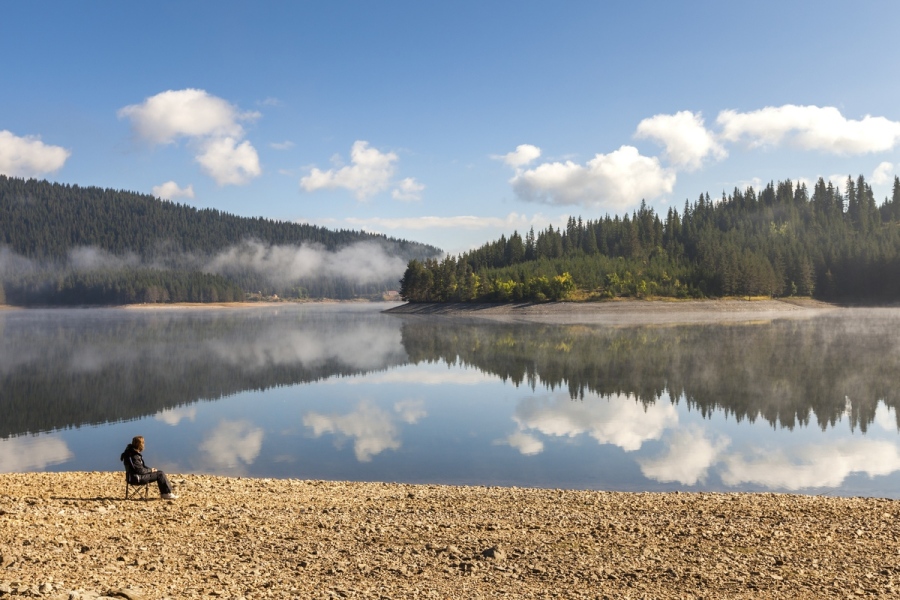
[370,173]
[232,443]
[372,429]
[810,128]
[525,443]
[211,124]
[229,162]
[618,420]
[689,456]
[521,156]
[814,465]
[170,190]
[884,173]
[169,115]
[407,190]
[687,141]
[32,453]
[616,181]
[28,156]
[285,145]
[174,416]
[512,220]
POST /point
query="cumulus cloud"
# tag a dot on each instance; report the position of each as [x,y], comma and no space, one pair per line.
[28,156]
[618,420]
[170,190]
[369,173]
[884,173]
[372,429]
[212,124]
[19,454]
[229,162]
[521,156]
[810,128]
[688,458]
[232,444]
[616,181]
[169,115]
[686,140]
[408,190]
[285,145]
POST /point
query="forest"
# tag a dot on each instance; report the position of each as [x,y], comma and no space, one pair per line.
[65,244]
[783,240]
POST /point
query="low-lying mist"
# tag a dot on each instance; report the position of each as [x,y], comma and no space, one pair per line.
[250,263]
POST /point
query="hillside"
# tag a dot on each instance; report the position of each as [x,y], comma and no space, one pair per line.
[65,244]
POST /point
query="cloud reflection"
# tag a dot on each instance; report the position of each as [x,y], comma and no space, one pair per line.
[619,420]
[372,429]
[20,454]
[687,460]
[410,411]
[174,416]
[525,443]
[815,465]
[231,444]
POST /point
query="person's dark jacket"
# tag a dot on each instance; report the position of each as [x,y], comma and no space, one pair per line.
[134,464]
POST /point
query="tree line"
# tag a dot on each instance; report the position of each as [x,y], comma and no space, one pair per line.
[783,240]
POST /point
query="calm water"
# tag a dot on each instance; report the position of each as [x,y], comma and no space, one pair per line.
[346,392]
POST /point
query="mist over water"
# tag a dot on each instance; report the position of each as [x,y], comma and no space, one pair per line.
[343,391]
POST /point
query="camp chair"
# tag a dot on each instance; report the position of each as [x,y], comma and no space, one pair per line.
[133,491]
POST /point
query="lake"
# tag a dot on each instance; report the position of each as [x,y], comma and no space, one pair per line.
[346,392]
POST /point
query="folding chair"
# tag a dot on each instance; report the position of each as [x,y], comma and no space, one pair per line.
[134,491]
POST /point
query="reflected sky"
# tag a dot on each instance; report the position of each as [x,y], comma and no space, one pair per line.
[344,392]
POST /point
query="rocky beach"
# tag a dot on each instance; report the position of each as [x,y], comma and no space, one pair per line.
[73,536]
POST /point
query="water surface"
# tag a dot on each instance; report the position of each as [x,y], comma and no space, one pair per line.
[346,392]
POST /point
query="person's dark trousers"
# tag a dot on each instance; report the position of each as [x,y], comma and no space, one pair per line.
[161,481]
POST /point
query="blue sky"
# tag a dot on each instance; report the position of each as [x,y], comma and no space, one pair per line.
[448,122]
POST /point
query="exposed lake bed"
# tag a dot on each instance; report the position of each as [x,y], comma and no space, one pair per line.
[259,538]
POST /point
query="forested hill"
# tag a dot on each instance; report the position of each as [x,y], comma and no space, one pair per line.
[65,244]
[39,220]
[783,240]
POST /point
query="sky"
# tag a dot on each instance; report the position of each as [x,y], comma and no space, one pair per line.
[448,123]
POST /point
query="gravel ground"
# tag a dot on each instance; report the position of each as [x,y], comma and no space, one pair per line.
[71,535]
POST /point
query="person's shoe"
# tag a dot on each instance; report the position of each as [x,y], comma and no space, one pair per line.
[169,497]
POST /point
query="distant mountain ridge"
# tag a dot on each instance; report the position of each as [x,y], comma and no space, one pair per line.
[66,244]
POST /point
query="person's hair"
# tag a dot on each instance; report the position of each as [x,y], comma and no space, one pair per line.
[137,442]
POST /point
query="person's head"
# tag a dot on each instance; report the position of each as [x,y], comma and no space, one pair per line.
[137,442]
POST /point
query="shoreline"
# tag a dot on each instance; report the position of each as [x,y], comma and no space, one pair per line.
[71,535]
[630,311]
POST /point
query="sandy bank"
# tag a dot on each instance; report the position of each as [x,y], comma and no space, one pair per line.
[233,538]
[629,312]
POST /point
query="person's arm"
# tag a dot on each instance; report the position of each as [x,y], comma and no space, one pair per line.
[137,466]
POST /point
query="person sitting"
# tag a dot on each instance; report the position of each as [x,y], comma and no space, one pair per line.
[139,474]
